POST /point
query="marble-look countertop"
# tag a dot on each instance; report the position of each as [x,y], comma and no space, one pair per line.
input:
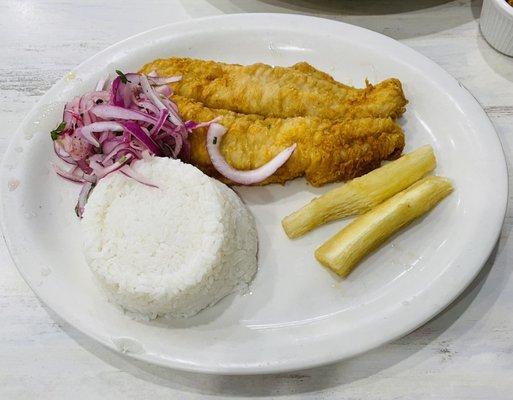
[466,352]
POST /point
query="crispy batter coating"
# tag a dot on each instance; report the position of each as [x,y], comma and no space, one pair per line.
[327,151]
[306,68]
[278,91]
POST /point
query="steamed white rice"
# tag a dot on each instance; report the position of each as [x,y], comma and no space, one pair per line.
[168,251]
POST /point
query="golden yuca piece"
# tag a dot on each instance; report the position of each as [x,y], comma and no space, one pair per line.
[344,250]
[361,194]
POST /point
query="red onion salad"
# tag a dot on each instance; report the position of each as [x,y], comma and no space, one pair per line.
[109,129]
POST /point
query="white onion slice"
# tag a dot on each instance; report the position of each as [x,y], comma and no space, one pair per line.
[214,135]
[154,98]
[67,175]
[101,83]
[87,131]
[82,198]
[150,94]
[132,173]
[155,80]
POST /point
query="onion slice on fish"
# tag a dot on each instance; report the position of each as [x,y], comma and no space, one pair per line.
[249,177]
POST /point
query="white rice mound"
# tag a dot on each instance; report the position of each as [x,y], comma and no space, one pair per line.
[168,251]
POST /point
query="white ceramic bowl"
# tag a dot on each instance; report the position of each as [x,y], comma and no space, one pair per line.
[497,25]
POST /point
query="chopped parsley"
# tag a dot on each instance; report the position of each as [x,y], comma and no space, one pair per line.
[123,77]
[57,131]
[215,140]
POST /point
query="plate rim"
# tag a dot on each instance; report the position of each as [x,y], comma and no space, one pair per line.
[287,366]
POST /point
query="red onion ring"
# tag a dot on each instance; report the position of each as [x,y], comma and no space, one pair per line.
[250,177]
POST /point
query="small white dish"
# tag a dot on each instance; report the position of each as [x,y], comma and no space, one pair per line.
[297,314]
[497,25]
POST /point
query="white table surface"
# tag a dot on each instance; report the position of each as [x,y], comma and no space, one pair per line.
[464,353]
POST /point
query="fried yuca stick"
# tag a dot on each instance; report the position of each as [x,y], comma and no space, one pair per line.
[361,194]
[344,250]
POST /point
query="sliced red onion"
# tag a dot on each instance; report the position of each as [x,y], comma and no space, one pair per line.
[84,166]
[96,158]
[127,95]
[160,122]
[61,153]
[115,98]
[173,112]
[109,144]
[75,145]
[82,110]
[139,108]
[178,146]
[191,125]
[154,98]
[133,78]
[103,172]
[87,131]
[96,165]
[172,107]
[67,175]
[150,93]
[114,112]
[82,198]
[214,135]
[132,173]
[70,112]
[82,175]
[155,80]
[112,154]
[146,105]
[89,100]
[142,136]
[104,136]
[164,90]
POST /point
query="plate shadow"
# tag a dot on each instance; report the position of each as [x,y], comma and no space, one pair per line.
[416,18]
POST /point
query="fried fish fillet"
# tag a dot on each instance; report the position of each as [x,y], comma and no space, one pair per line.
[306,68]
[278,91]
[327,150]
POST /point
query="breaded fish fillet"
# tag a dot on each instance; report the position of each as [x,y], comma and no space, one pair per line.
[327,151]
[306,68]
[278,91]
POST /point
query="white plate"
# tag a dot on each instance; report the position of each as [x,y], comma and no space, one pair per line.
[297,314]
